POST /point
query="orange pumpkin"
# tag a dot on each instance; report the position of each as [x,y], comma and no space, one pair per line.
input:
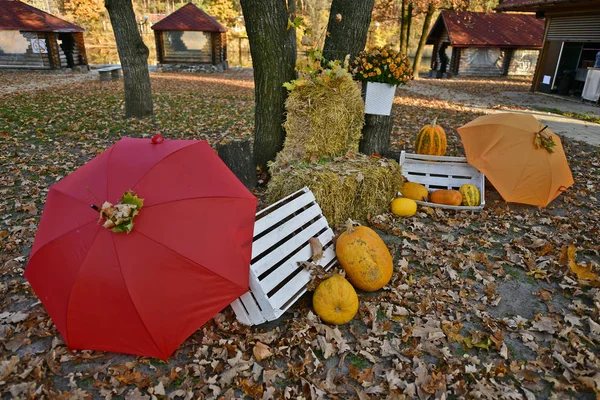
[365,258]
[448,197]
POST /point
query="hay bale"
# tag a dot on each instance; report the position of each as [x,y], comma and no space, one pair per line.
[355,186]
[324,120]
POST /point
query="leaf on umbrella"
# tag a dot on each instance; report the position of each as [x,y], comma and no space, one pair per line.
[316,248]
[119,217]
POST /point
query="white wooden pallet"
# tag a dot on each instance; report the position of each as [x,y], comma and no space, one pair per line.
[281,239]
[441,172]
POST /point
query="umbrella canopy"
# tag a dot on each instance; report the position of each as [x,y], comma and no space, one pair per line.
[516,153]
[144,291]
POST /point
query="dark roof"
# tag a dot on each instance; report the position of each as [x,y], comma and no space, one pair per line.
[18,16]
[535,5]
[472,29]
[189,18]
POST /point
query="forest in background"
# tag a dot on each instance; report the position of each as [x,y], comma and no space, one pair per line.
[385,23]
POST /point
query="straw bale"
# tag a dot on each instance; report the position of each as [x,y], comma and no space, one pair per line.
[355,186]
[324,120]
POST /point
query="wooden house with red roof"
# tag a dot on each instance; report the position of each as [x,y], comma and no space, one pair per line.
[190,40]
[31,38]
[490,44]
[571,44]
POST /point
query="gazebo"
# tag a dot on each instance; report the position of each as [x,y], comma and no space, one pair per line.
[190,40]
[490,44]
[31,38]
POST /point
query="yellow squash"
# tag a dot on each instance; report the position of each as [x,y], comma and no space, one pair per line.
[335,300]
[365,258]
[403,207]
[415,191]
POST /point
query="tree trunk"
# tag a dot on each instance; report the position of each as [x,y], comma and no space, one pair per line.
[237,155]
[133,54]
[403,26]
[376,134]
[348,35]
[422,40]
[408,25]
[273,50]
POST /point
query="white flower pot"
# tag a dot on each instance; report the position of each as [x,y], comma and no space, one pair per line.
[379,98]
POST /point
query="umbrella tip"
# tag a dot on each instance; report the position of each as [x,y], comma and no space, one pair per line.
[158,139]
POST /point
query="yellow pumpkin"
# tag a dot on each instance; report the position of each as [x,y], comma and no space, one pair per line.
[404,207]
[448,197]
[431,140]
[415,191]
[470,195]
[335,300]
[365,258]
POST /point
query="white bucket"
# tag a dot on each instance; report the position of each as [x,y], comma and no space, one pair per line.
[379,98]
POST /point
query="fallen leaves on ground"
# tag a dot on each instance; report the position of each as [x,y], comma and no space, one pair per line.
[495,304]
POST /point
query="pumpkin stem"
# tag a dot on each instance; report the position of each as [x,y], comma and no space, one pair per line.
[434,122]
[349,226]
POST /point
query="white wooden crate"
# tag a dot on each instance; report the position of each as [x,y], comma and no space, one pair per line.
[281,239]
[441,172]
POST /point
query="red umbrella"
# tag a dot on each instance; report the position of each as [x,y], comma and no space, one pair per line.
[144,291]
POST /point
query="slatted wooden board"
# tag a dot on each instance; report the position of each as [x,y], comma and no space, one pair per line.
[281,240]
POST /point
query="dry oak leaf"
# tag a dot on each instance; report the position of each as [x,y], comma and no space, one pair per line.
[583,271]
[545,324]
[253,391]
[316,248]
[261,351]
[365,375]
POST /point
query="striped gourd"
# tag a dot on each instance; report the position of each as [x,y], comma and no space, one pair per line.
[431,140]
[470,195]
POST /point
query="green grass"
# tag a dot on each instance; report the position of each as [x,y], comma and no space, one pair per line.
[583,117]
[357,361]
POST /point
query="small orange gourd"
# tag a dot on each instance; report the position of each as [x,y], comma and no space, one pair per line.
[365,258]
[448,197]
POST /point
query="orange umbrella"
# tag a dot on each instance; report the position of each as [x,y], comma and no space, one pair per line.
[524,160]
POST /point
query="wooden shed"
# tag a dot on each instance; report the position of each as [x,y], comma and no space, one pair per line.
[571,43]
[190,40]
[31,38]
[490,44]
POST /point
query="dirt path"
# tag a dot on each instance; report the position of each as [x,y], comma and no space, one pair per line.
[519,101]
[18,82]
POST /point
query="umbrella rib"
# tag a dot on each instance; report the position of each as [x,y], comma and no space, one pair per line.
[112,149]
[131,298]
[159,161]
[63,234]
[547,200]
[71,291]
[188,259]
[199,197]
[71,196]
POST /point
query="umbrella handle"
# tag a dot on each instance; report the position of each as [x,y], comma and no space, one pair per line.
[95,207]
